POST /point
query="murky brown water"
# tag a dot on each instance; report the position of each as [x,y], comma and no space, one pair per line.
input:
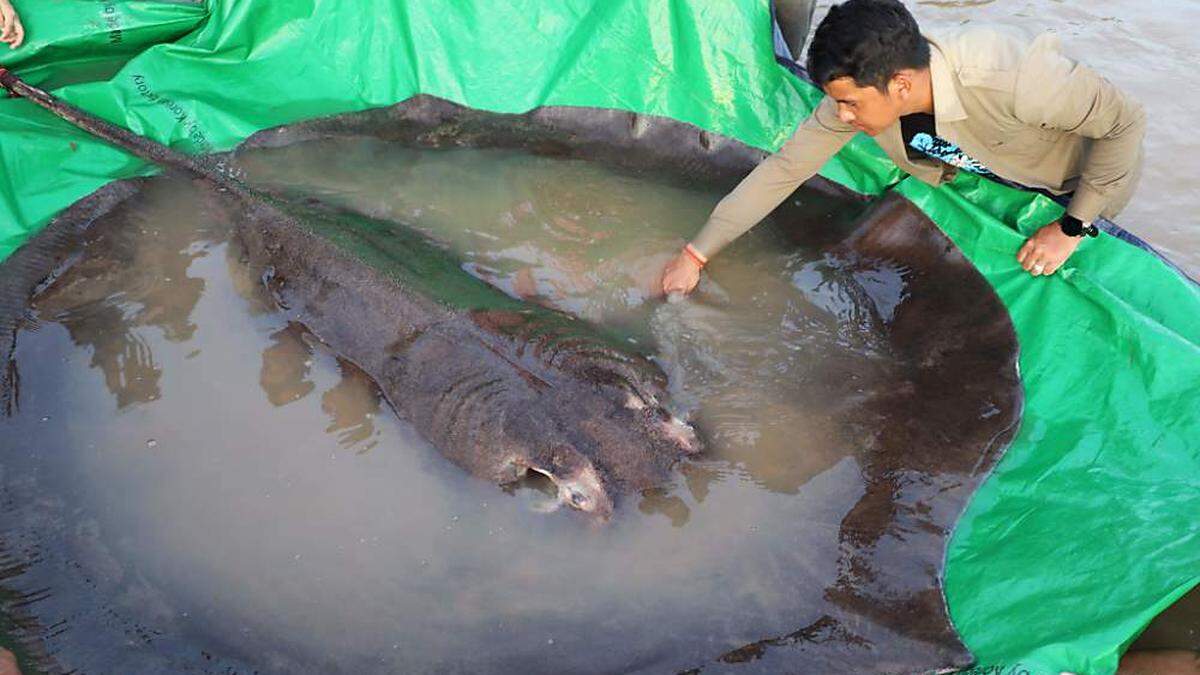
[192,470]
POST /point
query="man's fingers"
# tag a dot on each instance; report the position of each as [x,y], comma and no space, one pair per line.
[1026,249]
[1053,266]
[6,34]
[669,285]
[1029,261]
[1043,267]
[675,284]
[680,275]
[1046,251]
[1035,265]
[678,285]
[1030,252]
[19,36]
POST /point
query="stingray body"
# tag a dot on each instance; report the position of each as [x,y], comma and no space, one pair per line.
[499,386]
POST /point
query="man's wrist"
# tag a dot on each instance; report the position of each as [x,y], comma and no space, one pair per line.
[1074,227]
[697,257]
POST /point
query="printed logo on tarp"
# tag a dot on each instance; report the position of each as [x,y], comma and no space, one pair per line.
[997,669]
[194,133]
[112,21]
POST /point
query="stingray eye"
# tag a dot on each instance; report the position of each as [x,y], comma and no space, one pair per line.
[578,499]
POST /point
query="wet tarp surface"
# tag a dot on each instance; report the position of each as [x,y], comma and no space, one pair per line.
[1086,528]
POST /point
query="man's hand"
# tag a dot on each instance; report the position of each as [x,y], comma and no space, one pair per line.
[681,274]
[1047,250]
[11,30]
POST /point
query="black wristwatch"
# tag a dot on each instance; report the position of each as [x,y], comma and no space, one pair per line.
[1074,227]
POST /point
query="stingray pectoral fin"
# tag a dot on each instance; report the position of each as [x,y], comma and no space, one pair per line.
[682,434]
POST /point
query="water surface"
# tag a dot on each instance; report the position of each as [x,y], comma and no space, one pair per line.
[197,483]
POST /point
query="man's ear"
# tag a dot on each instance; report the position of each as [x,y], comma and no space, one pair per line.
[901,84]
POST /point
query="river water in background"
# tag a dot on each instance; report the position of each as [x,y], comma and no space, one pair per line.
[192,470]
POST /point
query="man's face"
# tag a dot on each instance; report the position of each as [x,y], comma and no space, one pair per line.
[865,108]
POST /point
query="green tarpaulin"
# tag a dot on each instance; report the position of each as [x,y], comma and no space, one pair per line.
[1083,533]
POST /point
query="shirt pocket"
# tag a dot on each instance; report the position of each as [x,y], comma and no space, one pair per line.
[1021,140]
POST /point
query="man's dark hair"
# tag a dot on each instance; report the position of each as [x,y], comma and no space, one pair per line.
[868,40]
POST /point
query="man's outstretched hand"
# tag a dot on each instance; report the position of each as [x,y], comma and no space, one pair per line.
[681,274]
[11,30]
[1046,251]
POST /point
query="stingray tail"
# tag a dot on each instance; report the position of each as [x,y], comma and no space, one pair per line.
[151,151]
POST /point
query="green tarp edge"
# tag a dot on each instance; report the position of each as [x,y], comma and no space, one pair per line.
[1083,533]
[86,40]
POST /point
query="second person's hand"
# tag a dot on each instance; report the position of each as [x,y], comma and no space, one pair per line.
[11,30]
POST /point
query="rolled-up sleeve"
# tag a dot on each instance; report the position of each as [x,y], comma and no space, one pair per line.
[812,144]
[1054,92]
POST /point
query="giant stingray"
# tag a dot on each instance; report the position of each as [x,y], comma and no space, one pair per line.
[500,387]
[925,444]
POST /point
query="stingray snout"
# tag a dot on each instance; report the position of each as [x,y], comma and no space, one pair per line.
[681,434]
[578,482]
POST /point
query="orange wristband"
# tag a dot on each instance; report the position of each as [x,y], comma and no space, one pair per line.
[695,255]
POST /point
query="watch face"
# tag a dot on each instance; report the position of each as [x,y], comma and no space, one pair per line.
[1071,226]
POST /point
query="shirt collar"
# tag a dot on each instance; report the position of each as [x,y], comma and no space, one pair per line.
[947,106]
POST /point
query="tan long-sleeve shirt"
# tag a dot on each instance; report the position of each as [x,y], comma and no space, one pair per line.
[1022,109]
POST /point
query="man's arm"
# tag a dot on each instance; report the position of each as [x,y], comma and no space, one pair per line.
[816,140]
[1054,92]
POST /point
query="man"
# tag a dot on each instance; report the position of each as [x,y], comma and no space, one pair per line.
[979,101]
